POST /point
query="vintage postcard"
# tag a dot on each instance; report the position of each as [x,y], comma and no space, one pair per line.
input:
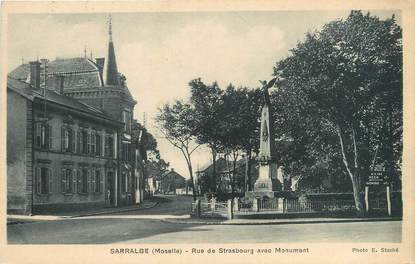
[181,132]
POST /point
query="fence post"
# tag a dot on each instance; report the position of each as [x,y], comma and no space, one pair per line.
[284,205]
[388,200]
[213,205]
[281,205]
[236,204]
[198,208]
[367,199]
[255,206]
[230,209]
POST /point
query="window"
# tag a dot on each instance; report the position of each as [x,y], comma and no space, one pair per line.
[124,151]
[84,181]
[43,135]
[98,145]
[85,141]
[124,182]
[79,141]
[68,180]
[109,146]
[126,118]
[68,139]
[93,143]
[44,181]
[97,181]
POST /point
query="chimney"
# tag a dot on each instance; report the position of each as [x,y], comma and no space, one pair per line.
[100,62]
[35,74]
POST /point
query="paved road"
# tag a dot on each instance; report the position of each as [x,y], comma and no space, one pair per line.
[145,227]
[333,232]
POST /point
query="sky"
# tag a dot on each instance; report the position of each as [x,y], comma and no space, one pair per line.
[160,53]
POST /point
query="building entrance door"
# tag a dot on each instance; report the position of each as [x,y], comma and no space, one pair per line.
[110,189]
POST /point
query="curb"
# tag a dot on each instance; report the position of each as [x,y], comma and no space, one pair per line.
[228,222]
[24,221]
[110,212]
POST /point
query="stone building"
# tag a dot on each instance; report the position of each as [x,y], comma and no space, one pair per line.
[69,135]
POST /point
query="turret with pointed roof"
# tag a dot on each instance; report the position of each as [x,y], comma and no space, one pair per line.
[110,68]
[97,83]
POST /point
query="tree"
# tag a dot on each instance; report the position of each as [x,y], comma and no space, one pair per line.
[157,167]
[206,102]
[240,125]
[350,74]
[227,122]
[176,123]
[149,143]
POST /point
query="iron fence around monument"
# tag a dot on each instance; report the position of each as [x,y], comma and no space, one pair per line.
[296,206]
[213,209]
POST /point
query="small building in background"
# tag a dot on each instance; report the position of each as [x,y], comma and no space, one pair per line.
[173,183]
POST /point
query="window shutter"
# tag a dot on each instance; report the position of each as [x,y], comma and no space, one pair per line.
[74,181]
[94,183]
[78,142]
[50,180]
[102,143]
[63,180]
[101,181]
[37,179]
[88,138]
[89,180]
[106,146]
[63,139]
[81,143]
[50,136]
[35,134]
[72,143]
[78,176]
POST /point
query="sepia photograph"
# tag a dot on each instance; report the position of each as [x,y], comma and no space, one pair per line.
[233,127]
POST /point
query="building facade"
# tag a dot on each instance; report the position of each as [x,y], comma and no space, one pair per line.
[70,135]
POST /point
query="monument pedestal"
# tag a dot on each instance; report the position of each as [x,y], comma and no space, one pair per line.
[267,183]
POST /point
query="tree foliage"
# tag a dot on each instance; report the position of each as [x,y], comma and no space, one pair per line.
[347,81]
[226,121]
[177,122]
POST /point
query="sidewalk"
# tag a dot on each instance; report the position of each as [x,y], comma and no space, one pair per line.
[19,219]
[213,221]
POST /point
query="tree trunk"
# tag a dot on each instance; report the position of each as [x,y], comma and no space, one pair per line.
[248,172]
[229,171]
[352,172]
[187,155]
[192,181]
[213,183]
[234,173]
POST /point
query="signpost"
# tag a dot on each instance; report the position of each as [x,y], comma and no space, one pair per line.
[378,177]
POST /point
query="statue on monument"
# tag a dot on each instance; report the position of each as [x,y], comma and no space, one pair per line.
[269,182]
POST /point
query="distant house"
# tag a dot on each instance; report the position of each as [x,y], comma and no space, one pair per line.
[152,183]
[224,176]
[173,183]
